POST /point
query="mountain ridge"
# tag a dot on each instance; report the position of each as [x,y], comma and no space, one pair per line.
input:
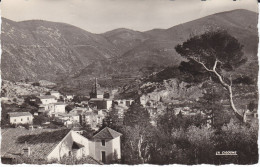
[49,50]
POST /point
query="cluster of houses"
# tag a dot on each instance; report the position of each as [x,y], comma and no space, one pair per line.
[70,140]
[156,108]
[91,112]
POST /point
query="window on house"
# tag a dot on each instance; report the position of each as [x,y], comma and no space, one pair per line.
[21,119]
[28,118]
[14,120]
[70,153]
[103,142]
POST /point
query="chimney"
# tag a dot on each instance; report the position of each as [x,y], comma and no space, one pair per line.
[26,151]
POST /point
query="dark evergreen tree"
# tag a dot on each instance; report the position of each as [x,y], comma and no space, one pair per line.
[215,52]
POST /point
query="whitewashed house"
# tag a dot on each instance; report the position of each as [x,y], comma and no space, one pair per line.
[107,144]
[20,118]
[73,144]
[100,94]
[58,107]
[69,97]
[66,118]
[48,99]
[108,104]
[56,94]
[124,102]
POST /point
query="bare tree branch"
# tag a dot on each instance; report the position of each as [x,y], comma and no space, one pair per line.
[202,64]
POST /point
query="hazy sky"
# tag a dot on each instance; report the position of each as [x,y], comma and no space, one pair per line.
[99,16]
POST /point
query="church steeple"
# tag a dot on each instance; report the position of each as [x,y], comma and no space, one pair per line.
[95,87]
[94,92]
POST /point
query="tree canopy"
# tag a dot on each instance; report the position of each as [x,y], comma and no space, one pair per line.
[214,48]
[216,52]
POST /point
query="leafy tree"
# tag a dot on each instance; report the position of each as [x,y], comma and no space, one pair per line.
[210,104]
[106,95]
[192,72]
[36,84]
[251,106]
[32,100]
[238,137]
[5,108]
[69,107]
[168,149]
[136,144]
[14,100]
[39,120]
[26,80]
[3,92]
[79,99]
[215,52]
[243,80]
[136,115]
[169,121]
[137,131]
[87,131]
[201,144]
[113,120]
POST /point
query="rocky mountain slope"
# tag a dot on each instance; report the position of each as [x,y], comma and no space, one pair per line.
[125,39]
[14,91]
[61,52]
[172,85]
[156,51]
[42,50]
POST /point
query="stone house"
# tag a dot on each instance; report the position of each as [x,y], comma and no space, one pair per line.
[107,145]
[124,102]
[20,118]
[101,103]
[56,94]
[58,107]
[48,99]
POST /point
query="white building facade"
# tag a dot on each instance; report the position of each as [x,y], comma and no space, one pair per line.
[20,118]
[48,99]
[57,108]
[56,94]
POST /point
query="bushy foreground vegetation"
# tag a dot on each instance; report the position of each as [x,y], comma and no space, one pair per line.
[184,140]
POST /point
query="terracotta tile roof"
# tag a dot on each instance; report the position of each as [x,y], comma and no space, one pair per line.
[96,99]
[107,133]
[19,114]
[100,92]
[55,91]
[100,99]
[59,103]
[40,141]
[47,97]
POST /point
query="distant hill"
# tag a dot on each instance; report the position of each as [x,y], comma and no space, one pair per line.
[125,39]
[42,50]
[242,24]
[61,52]
[157,48]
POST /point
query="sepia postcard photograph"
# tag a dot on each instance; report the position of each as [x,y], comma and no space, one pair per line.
[131,82]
